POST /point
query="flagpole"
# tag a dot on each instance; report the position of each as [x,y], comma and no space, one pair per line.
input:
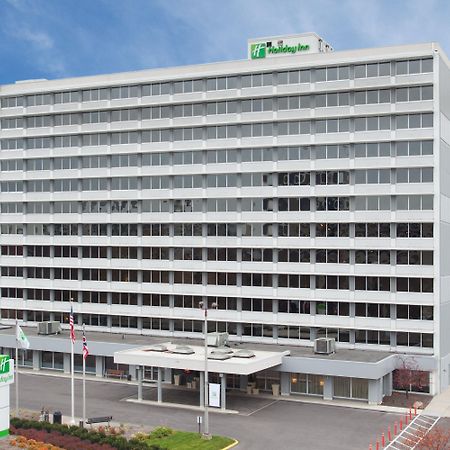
[84,383]
[72,366]
[17,367]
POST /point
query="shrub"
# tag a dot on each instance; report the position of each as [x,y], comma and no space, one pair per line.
[161,432]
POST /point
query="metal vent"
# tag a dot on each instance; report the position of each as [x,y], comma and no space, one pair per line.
[183,350]
[244,354]
[219,356]
[221,351]
[157,348]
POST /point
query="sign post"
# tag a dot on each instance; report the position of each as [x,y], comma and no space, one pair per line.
[6,378]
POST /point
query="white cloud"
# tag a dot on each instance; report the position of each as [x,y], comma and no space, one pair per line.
[39,39]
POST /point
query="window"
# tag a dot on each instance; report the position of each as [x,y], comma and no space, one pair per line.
[414,66]
[332,203]
[373,70]
[424,120]
[372,97]
[373,150]
[221,83]
[372,123]
[414,148]
[373,176]
[307,384]
[414,94]
[373,203]
[332,99]
[415,202]
[256,80]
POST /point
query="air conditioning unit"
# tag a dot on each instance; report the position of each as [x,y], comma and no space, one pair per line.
[217,339]
[324,346]
[49,327]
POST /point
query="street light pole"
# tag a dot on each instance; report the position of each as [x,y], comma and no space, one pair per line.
[206,435]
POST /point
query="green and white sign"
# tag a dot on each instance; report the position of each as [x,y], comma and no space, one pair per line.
[261,49]
[6,374]
[6,378]
[264,48]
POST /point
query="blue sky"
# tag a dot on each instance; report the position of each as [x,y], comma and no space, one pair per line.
[64,38]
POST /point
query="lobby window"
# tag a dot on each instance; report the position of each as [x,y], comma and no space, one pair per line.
[307,384]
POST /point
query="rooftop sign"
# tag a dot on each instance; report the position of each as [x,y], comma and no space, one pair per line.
[286,46]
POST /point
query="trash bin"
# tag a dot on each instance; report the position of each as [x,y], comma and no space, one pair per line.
[275,390]
[57,417]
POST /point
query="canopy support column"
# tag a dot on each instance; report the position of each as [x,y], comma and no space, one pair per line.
[202,390]
[159,385]
[140,375]
[223,390]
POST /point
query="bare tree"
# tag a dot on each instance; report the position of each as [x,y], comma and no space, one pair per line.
[438,438]
[409,374]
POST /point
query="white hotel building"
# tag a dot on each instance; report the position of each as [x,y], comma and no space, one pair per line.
[306,194]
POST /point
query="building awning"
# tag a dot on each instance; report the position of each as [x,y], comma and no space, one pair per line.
[167,355]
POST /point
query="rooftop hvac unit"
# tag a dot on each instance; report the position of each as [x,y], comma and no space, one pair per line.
[324,346]
[49,328]
[217,339]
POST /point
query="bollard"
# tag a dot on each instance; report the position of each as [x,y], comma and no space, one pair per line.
[395,428]
[389,434]
[378,445]
[370,447]
[383,440]
[401,424]
[406,419]
[410,413]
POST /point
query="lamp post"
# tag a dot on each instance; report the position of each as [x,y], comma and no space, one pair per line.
[204,306]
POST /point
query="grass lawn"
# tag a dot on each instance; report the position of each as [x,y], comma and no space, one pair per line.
[183,440]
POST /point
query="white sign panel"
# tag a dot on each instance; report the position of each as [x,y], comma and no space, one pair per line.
[214,395]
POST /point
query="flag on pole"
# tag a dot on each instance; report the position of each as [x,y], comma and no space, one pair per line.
[21,339]
[72,330]
[85,346]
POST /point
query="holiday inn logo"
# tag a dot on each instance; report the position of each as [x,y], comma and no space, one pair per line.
[4,364]
[262,50]
[258,51]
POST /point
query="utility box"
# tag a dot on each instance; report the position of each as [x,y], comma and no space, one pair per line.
[50,327]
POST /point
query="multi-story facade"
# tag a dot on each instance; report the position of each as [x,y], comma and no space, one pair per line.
[306,194]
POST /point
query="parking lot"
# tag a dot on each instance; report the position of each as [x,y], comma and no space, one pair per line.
[275,424]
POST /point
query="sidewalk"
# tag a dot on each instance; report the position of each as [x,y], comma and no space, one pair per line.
[439,405]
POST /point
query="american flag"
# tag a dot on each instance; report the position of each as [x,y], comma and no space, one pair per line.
[72,330]
[85,347]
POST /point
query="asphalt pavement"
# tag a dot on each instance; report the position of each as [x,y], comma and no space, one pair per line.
[277,425]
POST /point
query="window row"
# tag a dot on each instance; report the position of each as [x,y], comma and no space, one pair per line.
[405,67]
[227,278]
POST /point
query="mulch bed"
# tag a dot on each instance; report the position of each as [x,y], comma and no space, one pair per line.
[400,400]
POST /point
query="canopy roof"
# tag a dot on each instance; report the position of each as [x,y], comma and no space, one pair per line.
[171,358]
